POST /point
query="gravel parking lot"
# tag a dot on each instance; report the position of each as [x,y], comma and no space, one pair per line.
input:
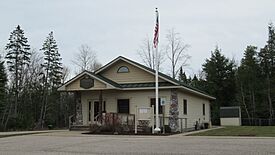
[72,143]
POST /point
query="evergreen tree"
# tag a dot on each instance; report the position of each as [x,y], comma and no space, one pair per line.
[3,82]
[220,77]
[249,84]
[52,62]
[18,57]
[267,63]
[52,79]
[195,81]
[182,76]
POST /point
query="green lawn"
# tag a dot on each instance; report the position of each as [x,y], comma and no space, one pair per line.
[258,131]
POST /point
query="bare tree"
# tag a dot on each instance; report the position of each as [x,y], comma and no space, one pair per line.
[86,59]
[147,54]
[65,74]
[176,52]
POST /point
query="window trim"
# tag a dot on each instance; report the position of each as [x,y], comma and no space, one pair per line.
[118,70]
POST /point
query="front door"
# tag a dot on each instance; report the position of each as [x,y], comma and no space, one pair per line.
[94,110]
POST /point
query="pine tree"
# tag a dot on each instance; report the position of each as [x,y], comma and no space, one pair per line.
[52,64]
[182,76]
[52,76]
[18,57]
[220,77]
[267,62]
[195,81]
[249,82]
[3,82]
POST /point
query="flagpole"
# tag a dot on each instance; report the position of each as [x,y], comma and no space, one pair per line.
[157,129]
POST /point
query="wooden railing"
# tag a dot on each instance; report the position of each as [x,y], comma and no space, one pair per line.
[71,121]
[117,119]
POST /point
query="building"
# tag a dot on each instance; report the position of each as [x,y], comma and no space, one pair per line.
[122,85]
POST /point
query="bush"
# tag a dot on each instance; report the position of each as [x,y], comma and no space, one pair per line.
[167,129]
[106,128]
[50,127]
[94,128]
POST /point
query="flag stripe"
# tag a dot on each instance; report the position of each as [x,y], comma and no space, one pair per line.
[156,35]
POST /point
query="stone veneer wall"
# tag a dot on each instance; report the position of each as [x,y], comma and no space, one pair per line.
[174,111]
[78,116]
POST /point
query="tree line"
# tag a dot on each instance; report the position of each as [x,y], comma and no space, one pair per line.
[29,79]
[249,85]
[29,97]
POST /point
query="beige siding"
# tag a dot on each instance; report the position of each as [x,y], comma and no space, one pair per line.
[194,108]
[75,85]
[136,75]
[142,98]
[137,98]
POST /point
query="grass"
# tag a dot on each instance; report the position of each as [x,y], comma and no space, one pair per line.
[257,131]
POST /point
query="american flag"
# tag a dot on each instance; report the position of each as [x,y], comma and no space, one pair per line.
[156,35]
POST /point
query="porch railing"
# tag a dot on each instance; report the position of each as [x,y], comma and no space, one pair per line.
[182,123]
[116,119]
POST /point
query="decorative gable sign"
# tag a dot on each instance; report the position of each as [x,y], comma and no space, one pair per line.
[86,82]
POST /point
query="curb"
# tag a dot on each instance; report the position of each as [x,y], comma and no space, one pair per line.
[194,132]
[22,133]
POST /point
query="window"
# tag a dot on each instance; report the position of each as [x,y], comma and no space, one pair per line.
[153,102]
[184,106]
[123,106]
[203,109]
[90,106]
[123,69]
[104,107]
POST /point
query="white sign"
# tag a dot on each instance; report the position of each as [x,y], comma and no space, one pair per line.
[143,110]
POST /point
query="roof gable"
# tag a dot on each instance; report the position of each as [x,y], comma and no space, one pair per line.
[108,82]
[146,73]
[97,82]
[166,78]
[134,74]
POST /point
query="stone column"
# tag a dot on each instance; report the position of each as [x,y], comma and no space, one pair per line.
[78,107]
[174,111]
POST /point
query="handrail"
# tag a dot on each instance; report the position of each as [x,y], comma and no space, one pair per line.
[96,117]
[70,121]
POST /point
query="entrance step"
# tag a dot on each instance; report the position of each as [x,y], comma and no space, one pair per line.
[80,128]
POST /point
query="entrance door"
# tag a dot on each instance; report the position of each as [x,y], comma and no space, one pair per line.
[94,110]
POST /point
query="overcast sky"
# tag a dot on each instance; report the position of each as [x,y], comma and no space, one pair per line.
[117,27]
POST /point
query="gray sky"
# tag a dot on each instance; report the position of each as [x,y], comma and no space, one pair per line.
[114,28]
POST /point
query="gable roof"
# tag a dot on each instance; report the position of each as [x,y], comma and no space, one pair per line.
[144,68]
[170,82]
[161,75]
[97,77]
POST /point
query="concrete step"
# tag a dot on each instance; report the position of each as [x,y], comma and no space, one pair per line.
[79,128]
